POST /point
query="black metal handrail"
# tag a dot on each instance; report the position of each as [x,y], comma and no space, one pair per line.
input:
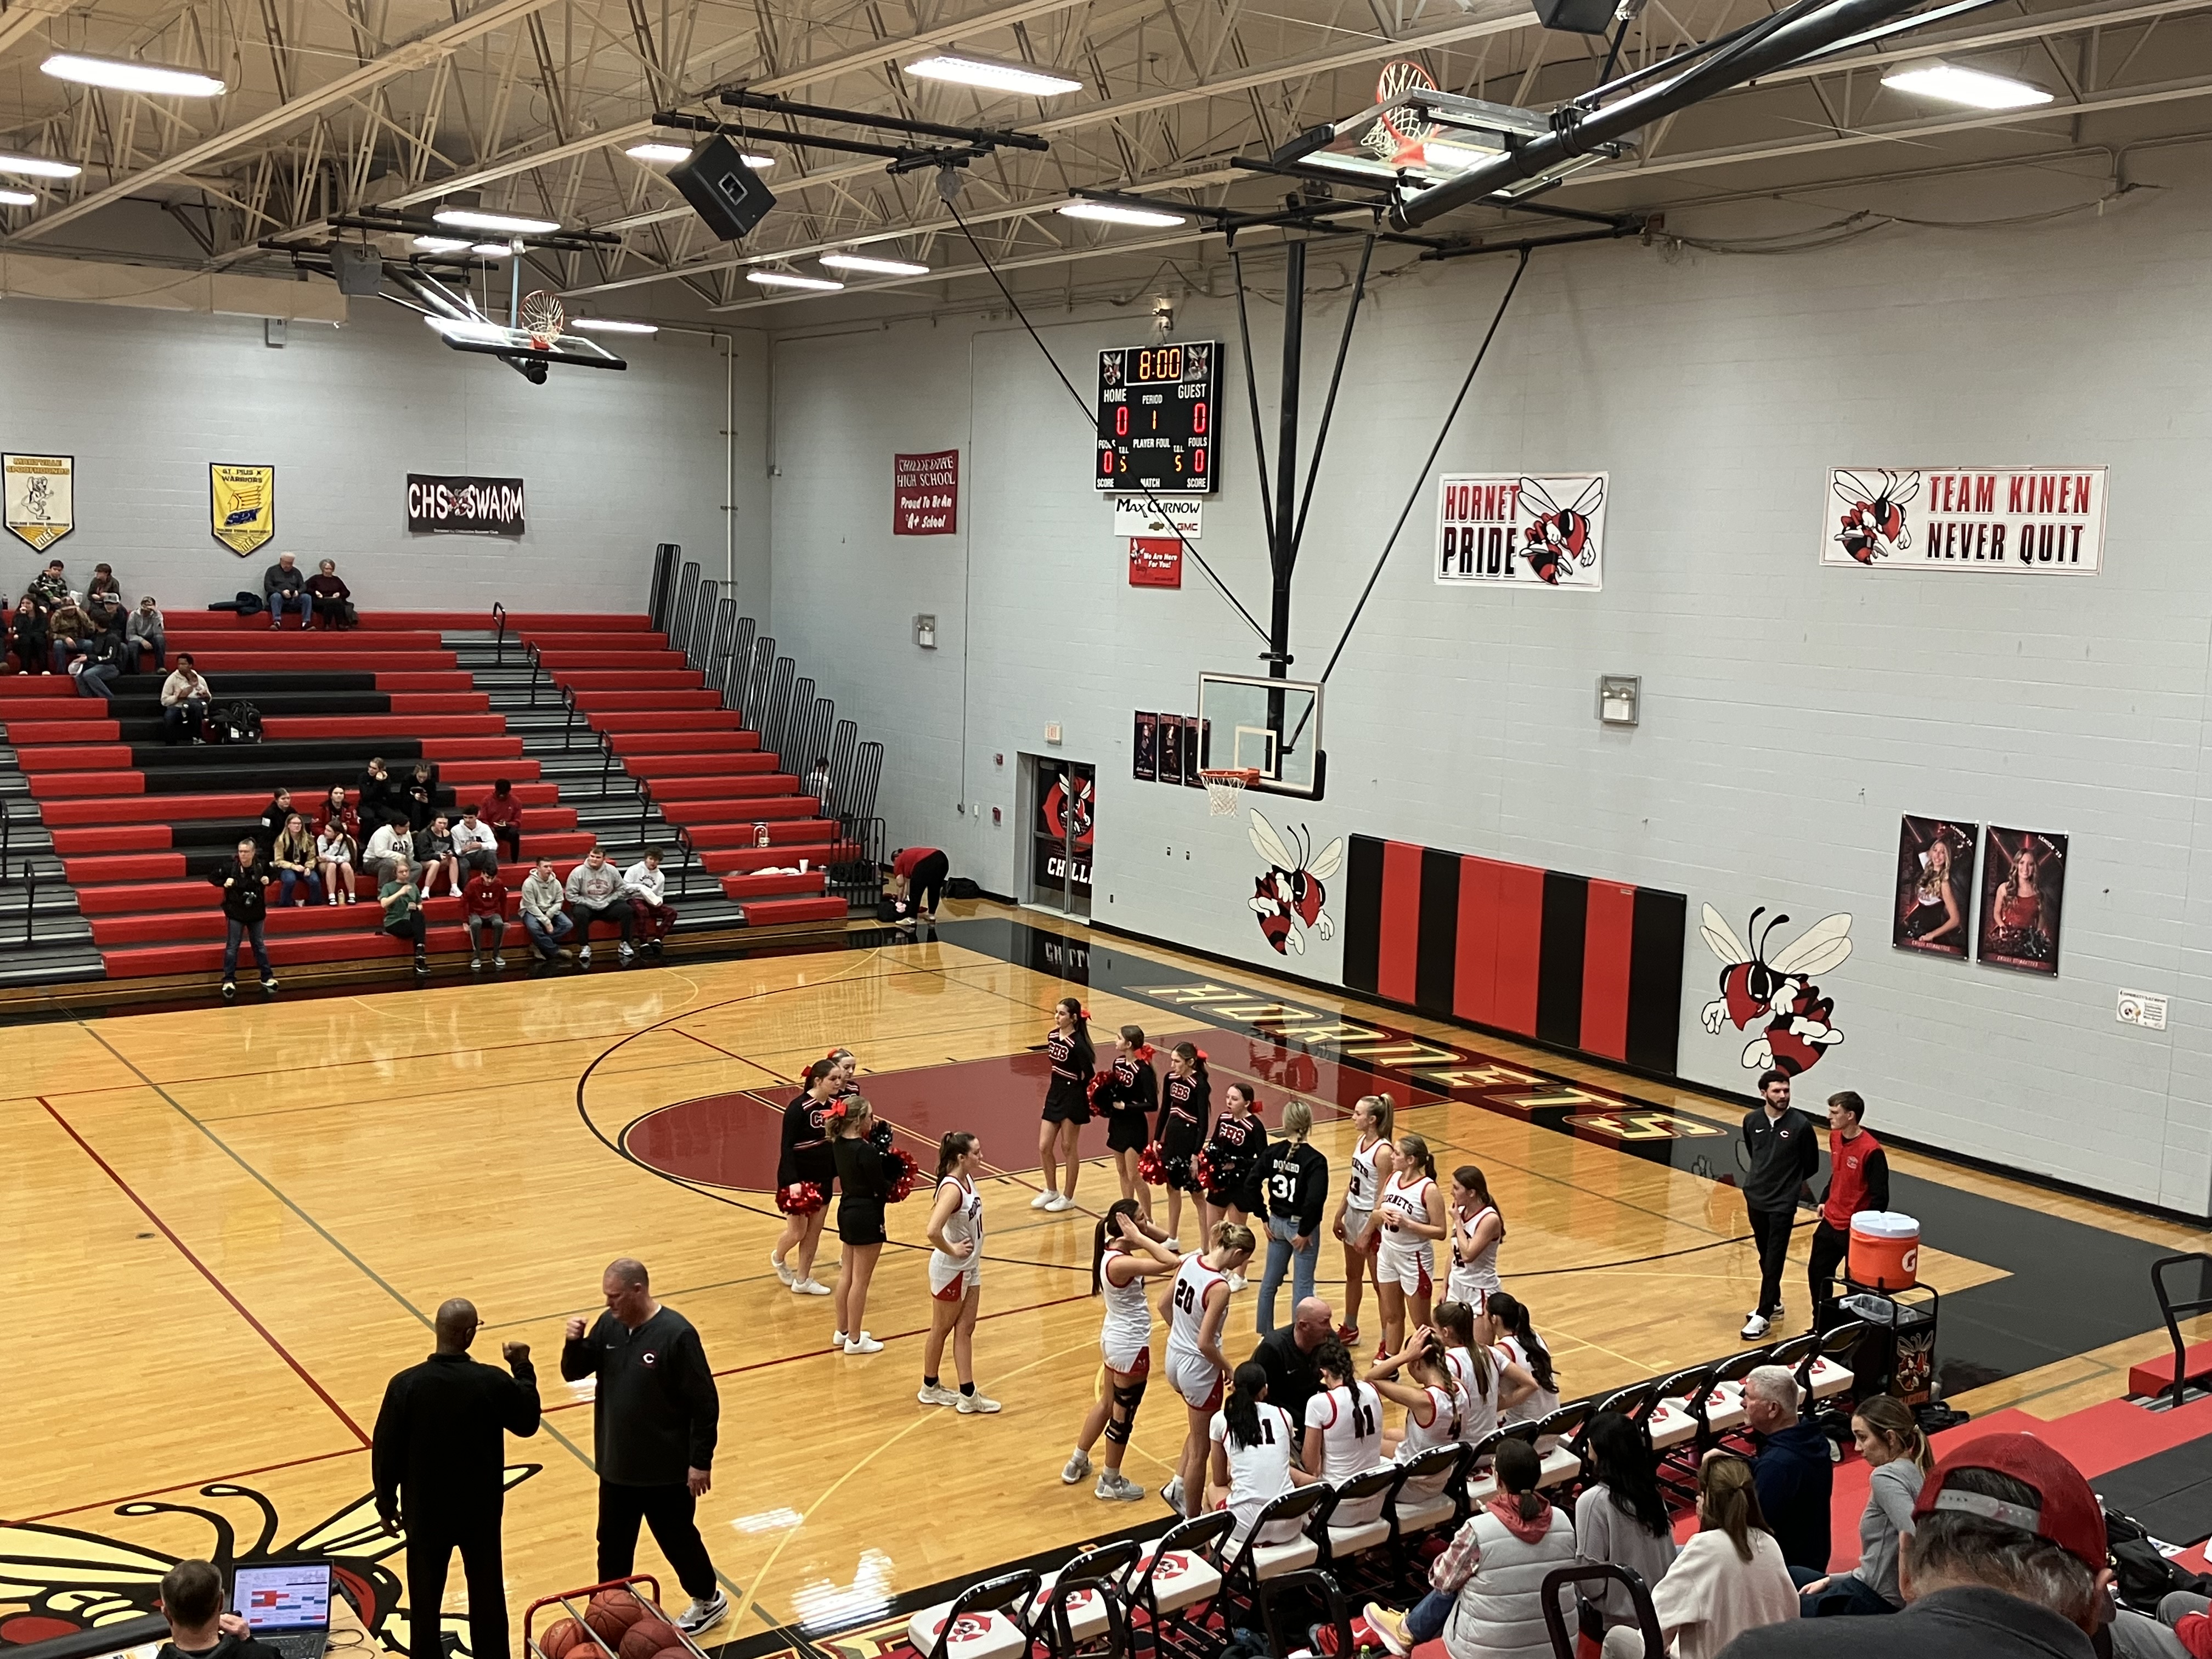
[682,839]
[644,808]
[606,763]
[7,826]
[537,670]
[568,726]
[2173,1312]
[499,615]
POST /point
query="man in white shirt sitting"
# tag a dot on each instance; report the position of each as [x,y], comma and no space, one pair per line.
[647,891]
[184,700]
[389,855]
[475,846]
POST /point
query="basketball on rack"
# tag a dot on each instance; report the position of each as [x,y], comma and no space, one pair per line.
[542,318]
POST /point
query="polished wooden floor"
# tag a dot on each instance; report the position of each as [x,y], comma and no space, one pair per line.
[225,1228]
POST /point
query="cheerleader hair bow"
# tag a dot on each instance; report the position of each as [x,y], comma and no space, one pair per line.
[1144,1055]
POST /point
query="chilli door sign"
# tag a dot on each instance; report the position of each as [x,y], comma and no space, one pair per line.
[1063,831]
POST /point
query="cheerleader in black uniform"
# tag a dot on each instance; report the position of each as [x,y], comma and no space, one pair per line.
[1066,1103]
[1234,1154]
[806,1158]
[1186,1103]
[1129,1095]
[865,1170]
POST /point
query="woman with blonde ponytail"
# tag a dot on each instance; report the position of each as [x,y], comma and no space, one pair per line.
[956,1274]
[1372,1118]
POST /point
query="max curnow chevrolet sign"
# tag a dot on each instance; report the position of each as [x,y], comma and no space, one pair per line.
[464,506]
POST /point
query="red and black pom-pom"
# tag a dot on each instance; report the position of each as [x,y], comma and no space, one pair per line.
[800,1198]
[1201,1171]
[1090,1088]
[1151,1168]
[903,1181]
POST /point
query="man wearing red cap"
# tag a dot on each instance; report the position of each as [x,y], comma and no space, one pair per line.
[2007,1560]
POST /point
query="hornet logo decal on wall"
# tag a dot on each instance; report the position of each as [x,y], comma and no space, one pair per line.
[1290,896]
[1559,535]
[1778,990]
[1874,524]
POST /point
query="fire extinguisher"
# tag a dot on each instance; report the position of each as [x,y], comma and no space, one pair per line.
[760,834]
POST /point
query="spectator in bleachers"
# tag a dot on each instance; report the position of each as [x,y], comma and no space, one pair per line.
[434,852]
[2183,1628]
[335,809]
[419,794]
[336,850]
[1621,1518]
[146,627]
[545,910]
[100,667]
[504,813]
[103,586]
[33,636]
[295,858]
[1729,1578]
[1793,1467]
[390,852]
[69,627]
[483,908]
[272,820]
[284,586]
[595,894]
[329,595]
[379,795]
[107,619]
[244,879]
[199,1628]
[817,785]
[403,917]
[647,889]
[51,586]
[184,700]
[1896,1451]
[475,845]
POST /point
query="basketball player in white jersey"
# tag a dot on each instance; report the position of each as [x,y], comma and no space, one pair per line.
[1252,1463]
[1489,1383]
[1196,1304]
[1410,1213]
[1354,1226]
[1344,1429]
[1477,1228]
[956,1274]
[1419,1377]
[1127,1251]
[1505,1325]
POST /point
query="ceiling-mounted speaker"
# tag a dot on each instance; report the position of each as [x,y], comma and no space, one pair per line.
[1576,16]
[360,270]
[721,189]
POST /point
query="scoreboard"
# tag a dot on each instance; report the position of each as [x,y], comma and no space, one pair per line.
[1156,410]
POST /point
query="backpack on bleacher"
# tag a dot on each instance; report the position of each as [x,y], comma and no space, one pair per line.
[239,723]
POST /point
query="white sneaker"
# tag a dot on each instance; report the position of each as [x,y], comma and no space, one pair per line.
[782,1269]
[1171,1494]
[1173,1244]
[1116,1487]
[1755,1326]
[1235,1283]
[584,954]
[809,1287]
[702,1613]
[1060,1201]
[938,1396]
[1043,1200]
[865,1344]
[977,1405]
[1078,1465]
[624,952]
[836,1339]
[499,961]
[476,965]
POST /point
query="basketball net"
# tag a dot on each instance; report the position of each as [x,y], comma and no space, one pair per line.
[1225,788]
[1397,138]
[542,318]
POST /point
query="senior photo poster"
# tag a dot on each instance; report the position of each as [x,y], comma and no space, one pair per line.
[2023,892]
[1934,886]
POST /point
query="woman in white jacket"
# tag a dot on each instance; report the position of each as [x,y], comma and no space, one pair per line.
[1729,1578]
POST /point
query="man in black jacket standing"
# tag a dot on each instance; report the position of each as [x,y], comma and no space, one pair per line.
[654,1418]
[440,1464]
[1784,1155]
[244,880]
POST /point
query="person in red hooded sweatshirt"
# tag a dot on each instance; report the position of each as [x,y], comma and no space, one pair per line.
[483,907]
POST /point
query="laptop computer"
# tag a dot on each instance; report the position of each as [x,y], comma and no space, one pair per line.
[286,1604]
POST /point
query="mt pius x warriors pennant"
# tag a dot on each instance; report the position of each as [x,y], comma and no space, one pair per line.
[41,499]
[241,505]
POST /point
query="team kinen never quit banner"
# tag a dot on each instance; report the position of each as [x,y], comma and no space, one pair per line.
[2033,520]
[464,506]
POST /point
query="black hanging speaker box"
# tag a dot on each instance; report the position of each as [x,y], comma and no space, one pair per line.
[1576,16]
[723,191]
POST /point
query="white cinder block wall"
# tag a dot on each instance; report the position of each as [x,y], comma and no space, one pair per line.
[1791,714]
[612,463]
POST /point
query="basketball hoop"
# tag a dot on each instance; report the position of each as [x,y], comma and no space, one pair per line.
[1398,136]
[1225,787]
[542,318]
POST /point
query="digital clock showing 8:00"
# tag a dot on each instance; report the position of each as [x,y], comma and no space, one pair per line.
[1155,409]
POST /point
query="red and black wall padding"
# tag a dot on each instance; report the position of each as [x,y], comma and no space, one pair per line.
[1588,964]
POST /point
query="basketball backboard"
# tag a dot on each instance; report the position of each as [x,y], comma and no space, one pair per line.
[1416,132]
[494,339]
[1273,726]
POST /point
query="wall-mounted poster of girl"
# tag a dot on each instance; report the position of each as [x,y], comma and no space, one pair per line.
[1934,886]
[2023,888]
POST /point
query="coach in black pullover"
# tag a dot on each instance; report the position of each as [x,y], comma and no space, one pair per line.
[1784,1151]
[654,1418]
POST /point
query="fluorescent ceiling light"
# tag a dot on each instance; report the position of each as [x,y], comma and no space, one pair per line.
[674,153]
[612,325]
[873,265]
[996,76]
[18,199]
[38,167]
[493,250]
[1115,214]
[467,328]
[150,78]
[792,279]
[471,219]
[1976,89]
[441,244]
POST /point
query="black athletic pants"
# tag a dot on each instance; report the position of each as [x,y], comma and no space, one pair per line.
[430,1555]
[1771,1229]
[1830,1246]
[925,888]
[668,1511]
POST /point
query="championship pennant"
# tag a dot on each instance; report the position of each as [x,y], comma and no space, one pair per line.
[41,497]
[241,505]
